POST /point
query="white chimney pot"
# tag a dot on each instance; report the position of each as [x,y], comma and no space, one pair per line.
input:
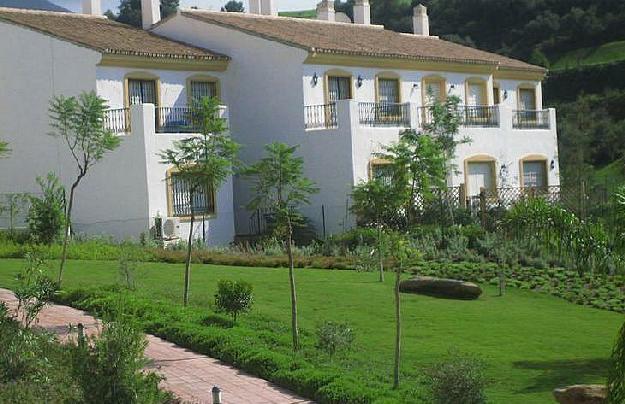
[421,21]
[362,12]
[91,7]
[325,10]
[150,12]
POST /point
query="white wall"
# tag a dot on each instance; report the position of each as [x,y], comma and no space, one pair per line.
[33,69]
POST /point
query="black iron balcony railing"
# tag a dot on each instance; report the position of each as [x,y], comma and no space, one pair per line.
[176,120]
[526,119]
[470,116]
[117,120]
[384,114]
[320,116]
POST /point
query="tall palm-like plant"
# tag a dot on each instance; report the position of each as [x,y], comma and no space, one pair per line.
[204,163]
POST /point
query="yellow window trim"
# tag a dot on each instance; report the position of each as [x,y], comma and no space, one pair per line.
[376,162]
[387,76]
[533,158]
[336,73]
[481,158]
[141,75]
[484,87]
[202,78]
[433,79]
[170,199]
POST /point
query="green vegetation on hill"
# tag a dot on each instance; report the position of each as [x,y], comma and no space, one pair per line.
[594,55]
[531,342]
[299,14]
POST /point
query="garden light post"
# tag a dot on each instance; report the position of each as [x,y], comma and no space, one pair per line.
[216,392]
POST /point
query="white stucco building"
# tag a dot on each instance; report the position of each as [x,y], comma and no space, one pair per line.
[339,90]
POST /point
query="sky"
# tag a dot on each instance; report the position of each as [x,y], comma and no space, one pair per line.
[283,5]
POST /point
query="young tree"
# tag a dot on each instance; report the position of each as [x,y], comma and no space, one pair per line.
[204,163]
[281,188]
[130,11]
[376,203]
[233,6]
[46,213]
[79,122]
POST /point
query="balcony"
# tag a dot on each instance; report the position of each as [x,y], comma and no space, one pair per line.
[409,116]
[167,120]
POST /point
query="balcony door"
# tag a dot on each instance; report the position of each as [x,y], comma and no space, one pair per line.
[388,91]
[527,99]
[480,174]
[142,92]
[476,94]
[203,89]
[339,88]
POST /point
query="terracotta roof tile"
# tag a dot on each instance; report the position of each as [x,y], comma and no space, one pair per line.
[104,35]
[352,39]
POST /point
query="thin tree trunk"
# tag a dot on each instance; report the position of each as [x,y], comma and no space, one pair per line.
[289,251]
[380,256]
[68,224]
[187,268]
[397,327]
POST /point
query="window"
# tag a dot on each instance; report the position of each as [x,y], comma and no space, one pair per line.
[527,99]
[476,93]
[142,92]
[433,91]
[202,203]
[339,88]
[388,91]
[480,174]
[496,94]
[200,89]
[382,170]
[534,174]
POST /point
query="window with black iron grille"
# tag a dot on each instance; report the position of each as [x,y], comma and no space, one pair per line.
[185,197]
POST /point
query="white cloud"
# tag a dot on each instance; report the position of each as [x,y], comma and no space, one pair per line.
[283,5]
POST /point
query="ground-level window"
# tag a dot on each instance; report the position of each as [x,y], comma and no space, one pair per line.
[382,170]
[202,88]
[142,92]
[388,91]
[184,198]
[534,174]
[480,175]
[339,88]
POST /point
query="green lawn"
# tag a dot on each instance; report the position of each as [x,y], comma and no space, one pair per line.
[530,341]
[606,53]
[300,14]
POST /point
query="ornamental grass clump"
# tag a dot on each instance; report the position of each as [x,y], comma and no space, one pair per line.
[333,337]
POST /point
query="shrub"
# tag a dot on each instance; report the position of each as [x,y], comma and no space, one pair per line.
[616,378]
[109,369]
[47,213]
[234,297]
[458,379]
[333,337]
[34,289]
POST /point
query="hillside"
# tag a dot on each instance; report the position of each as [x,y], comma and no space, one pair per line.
[590,56]
[32,4]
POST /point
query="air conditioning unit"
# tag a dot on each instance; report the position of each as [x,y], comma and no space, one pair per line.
[171,228]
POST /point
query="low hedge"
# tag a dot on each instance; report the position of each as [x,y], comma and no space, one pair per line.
[599,291]
[254,351]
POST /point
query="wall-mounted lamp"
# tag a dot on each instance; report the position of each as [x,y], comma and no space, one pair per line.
[315,79]
[453,86]
[553,164]
[505,94]
[415,85]
[359,81]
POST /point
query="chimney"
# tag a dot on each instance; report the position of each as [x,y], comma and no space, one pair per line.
[91,7]
[421,21]
[150,12]
[268,7]
[254,7]
[362,12]
[325,10]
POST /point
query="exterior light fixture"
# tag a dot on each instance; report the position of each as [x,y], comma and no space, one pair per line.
[315,79]
[553,164]
[453,86]
[359,81]
[505,94]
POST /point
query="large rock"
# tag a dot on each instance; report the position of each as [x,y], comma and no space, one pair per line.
[582,394]
[438,287]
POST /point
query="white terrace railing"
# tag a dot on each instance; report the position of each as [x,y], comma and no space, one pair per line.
[117,120]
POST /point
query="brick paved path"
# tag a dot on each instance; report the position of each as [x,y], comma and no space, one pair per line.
[190,376]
